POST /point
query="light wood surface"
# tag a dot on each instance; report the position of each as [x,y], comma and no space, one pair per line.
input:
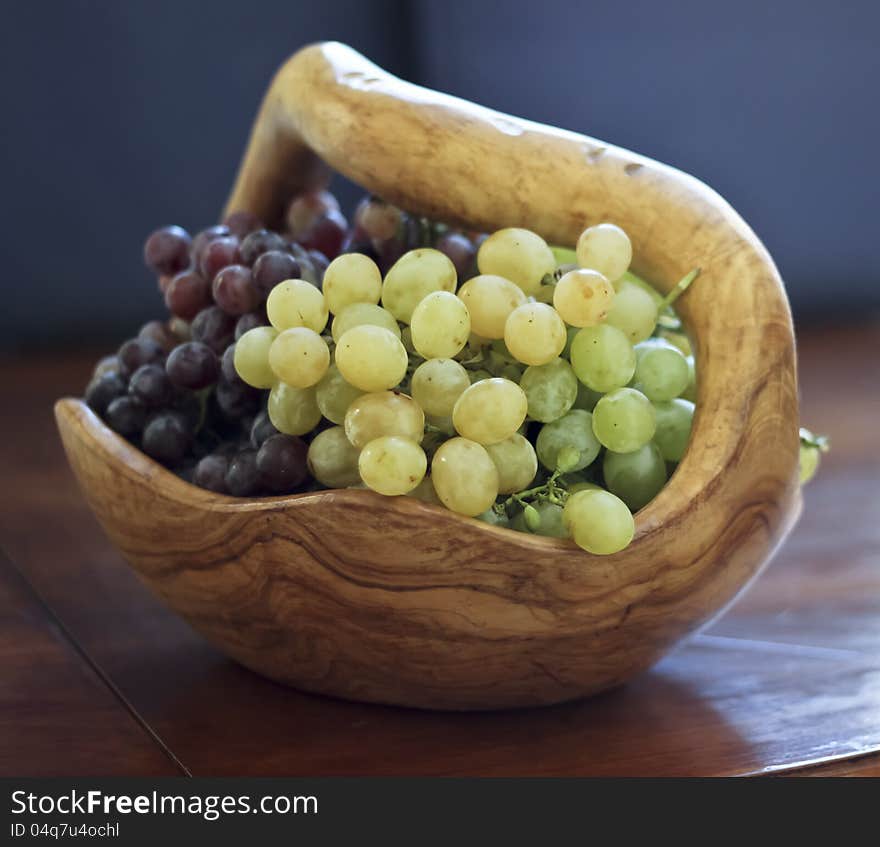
[351,594]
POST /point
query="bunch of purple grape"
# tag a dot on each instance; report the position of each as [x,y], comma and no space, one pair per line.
[173,390]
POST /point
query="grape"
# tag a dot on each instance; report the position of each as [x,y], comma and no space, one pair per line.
[586,398]
[192,365]
[674,422]
[392,465]
[242,222]
[491,517]
[187,294]
[334,395]
[661,370]
[440,325]
[136,352]
[808,462]
[357,314]
[273,267]
[515,461]
[212,326]
[180,330]
[252,356]
[247,322]
[210,473]
[351,278]
[490,411]
[678,340]
[633,311]
[261,429]
[166,251]
[383,413]
[551,389]
[598,521]
[690,393]
[518,255]
[326,234]
[150,385]
[413,277]
[426,492]
[126,415]
[236,399]
[602,358]
[583,297]
[377,220]
[333,459]
[167,437]
[218,254]
[320,263]
[243,476]
[306,208]
[464,476]
[371,358]
[281,463]
[534,333]
[297,303]
[293,411]
[299,357]
[605,248]
[461,252]
[258,242]
[106,365]
[624,420]
[234,290]
[204,238]
[479,376]
[635,477]
[573,433]
[437,384]
[103,390]
[551,521]
[545,294]
[160,333]
[490,300]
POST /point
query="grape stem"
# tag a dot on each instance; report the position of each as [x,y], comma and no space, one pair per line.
[551,491]
[680,287]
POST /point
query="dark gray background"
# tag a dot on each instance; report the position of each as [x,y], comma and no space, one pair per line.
[121,116]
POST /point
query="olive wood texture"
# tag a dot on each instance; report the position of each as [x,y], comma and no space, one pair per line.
[397,601]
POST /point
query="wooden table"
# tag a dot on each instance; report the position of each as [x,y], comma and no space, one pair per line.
[98,678]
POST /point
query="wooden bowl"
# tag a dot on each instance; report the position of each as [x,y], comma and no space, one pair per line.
[395,601]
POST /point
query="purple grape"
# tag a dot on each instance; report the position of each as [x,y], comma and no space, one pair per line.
[259,242]
[166,251]
[212,326]
[210,473]
[306,208]
[320,262]
[204,237]
[262,429]
[273,267]
[138,351]
[167,437]
[326,234]
[234,290]
[161,333]
[241,223]
[461,252]
[180,330]
[236,399]
[227,365]
[103,390]
[189,406]
[248,322]
[218,254]
[242,477]
[106,365]
[126,416]
[281,462]
[150,385]
[187,295]
[377,220]
[192,365]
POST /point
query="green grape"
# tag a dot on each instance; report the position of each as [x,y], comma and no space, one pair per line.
[392,465]
[296,302]
[550,521]
[605,248]
[357,314]
[690,393]
[518,255]
[598,521]
[335,395]
[629,278]
[464,476]
[425,492]
[633,311]
[674,421]
[515,461]
[550,389]
[661,370]
[491,517]
[440,325]
[574,431]
[382,413]
[293,411]
[442,423]
[810,456]
[602,358]
[545,294]
[299,357]
[584,485]
[437,384]
[490,300]
[351,278]
[624,420]
[564,255]
[479,376]
[333,459]
[586,398]
[570,333]
[534,333]
[583,297]
[371,358]
[677,339]
[251,357]
[635,477]
[413,277]
[490,410]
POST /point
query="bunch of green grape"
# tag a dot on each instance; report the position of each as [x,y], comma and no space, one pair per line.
[551,392]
